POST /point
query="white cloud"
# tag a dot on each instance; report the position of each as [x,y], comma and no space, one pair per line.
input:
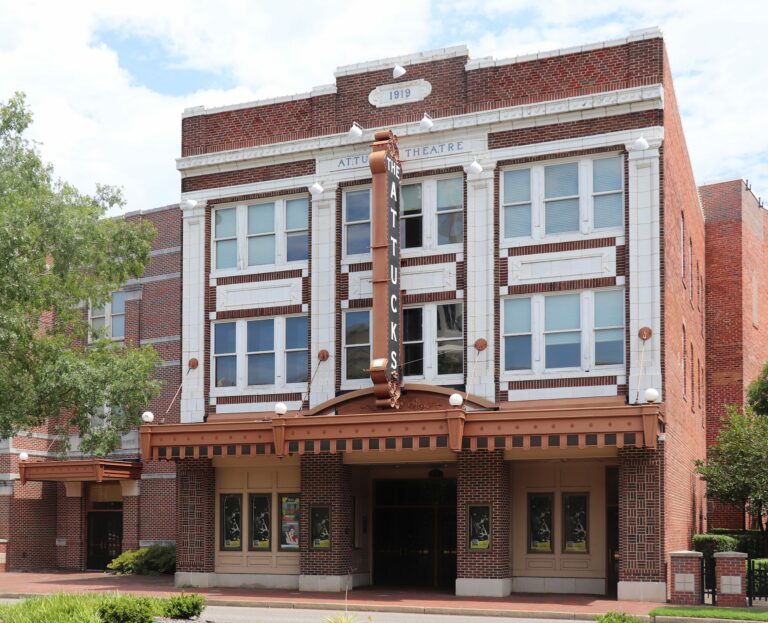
[98,124]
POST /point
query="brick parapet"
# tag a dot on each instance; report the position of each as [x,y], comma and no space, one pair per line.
[685,578]
[195,518]
[731,577]
[483,479]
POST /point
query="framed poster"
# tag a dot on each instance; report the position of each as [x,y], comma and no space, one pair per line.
[261,522]
[289,508]
[231,522]
[320,527]
[540,523]
[479,527]
[575,523]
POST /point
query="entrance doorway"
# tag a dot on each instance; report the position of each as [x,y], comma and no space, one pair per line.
[414,533]
[105,538]
[612,530]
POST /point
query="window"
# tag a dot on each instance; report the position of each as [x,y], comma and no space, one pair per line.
[413,341]
[562,331]
[433,342]
[264,352]
[231,522]
[261,234]
[411,235]
[109,319]
[450,339]
[582,330]
[609,327]
[289,506]
[690,271]
[450,211]
[682,246]
[575,523]
[685,362]
[357,219]
[693,380]
[261,522]
[563,198]
[540,523]
[517,334]
[357,344]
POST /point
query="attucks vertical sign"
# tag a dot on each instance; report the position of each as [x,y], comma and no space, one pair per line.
[385,370]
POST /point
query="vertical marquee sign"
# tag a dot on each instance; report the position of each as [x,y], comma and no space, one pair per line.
[386,170]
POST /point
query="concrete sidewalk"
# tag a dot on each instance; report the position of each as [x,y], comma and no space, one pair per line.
[365,599]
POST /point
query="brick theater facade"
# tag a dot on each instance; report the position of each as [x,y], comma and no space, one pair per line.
[552,377]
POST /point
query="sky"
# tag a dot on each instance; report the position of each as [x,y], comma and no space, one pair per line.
[107,80]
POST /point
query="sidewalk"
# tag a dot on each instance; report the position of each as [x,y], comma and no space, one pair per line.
[370,599]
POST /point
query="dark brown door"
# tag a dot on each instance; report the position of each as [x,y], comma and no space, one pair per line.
[105,538]
[612,530]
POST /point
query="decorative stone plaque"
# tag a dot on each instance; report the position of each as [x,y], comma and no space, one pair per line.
[400,93]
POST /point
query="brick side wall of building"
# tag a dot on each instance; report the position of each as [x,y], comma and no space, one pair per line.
[195,520]
[325,481]
[483,478]
[32,526]
[131,522]
[641,514]
[158,502]
[70,512]
[683,269]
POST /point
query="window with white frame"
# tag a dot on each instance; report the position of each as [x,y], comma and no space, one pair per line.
[264,233]
[357,344]
[109,319]
[431,216]
[580,330]
[563,198]
[262,352]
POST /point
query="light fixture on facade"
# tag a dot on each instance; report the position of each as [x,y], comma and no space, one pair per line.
[189,204]
[651,394]
[316,190]
[475,167]
[147,417]
[426,122]
[281,408]
[640,144]
[456,400]
[356,131]
[23,456]
[397,71]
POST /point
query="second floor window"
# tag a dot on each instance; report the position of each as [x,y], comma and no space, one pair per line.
[109,319]
[269,233]
[263,352]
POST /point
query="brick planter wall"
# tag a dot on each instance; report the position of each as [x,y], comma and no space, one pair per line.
[731,574]
[195,520]
[685,578]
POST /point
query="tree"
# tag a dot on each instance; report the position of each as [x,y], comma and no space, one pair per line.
[58,253]
[736,471]
[757,393]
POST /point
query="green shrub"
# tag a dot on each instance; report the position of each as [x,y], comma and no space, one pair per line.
[617,617]
[153,560]
[761,563]
[752,542]
[708,544]
[184,606]
[127,609]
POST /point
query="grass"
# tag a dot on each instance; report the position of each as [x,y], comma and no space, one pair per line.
[63,608]
[708,612]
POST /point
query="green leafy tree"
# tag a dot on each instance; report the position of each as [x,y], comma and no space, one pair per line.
[736,471]
[757,393]
[57,253]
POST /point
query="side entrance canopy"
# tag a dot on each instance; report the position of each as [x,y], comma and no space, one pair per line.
[87,470]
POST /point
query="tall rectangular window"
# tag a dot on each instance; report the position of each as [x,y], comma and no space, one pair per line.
[450,339]
[413,341]
[260,350]
[297,229]
[261,234]
[296,349]
[109,319]
[411,216]
[561,196]
[609,327]
[117,317]
[517,334]
[231,517]
[562,331]
[357,344]
[450,210]
[357,219]
[225,237]
[225,354]
[607,183]
[517,203]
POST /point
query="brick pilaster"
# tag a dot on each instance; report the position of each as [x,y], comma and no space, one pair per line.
[195,519]
[483,478]
[130,522]
[325,482]
[731,576]
[685,577]
[70,550]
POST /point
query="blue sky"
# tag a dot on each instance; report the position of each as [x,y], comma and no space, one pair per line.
[108,80]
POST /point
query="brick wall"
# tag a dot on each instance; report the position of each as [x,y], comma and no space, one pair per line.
[195,520]
[32,526]
[731,575]
[325,481]
[683,332]
[641,514]
[158,502]
[70,526]
[131,510]
[681,592]
[483,478]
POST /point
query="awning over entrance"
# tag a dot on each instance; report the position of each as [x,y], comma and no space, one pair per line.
[416,426]
[87,470]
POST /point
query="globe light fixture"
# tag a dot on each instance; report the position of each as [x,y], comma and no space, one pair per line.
[147,417]
[456,400]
